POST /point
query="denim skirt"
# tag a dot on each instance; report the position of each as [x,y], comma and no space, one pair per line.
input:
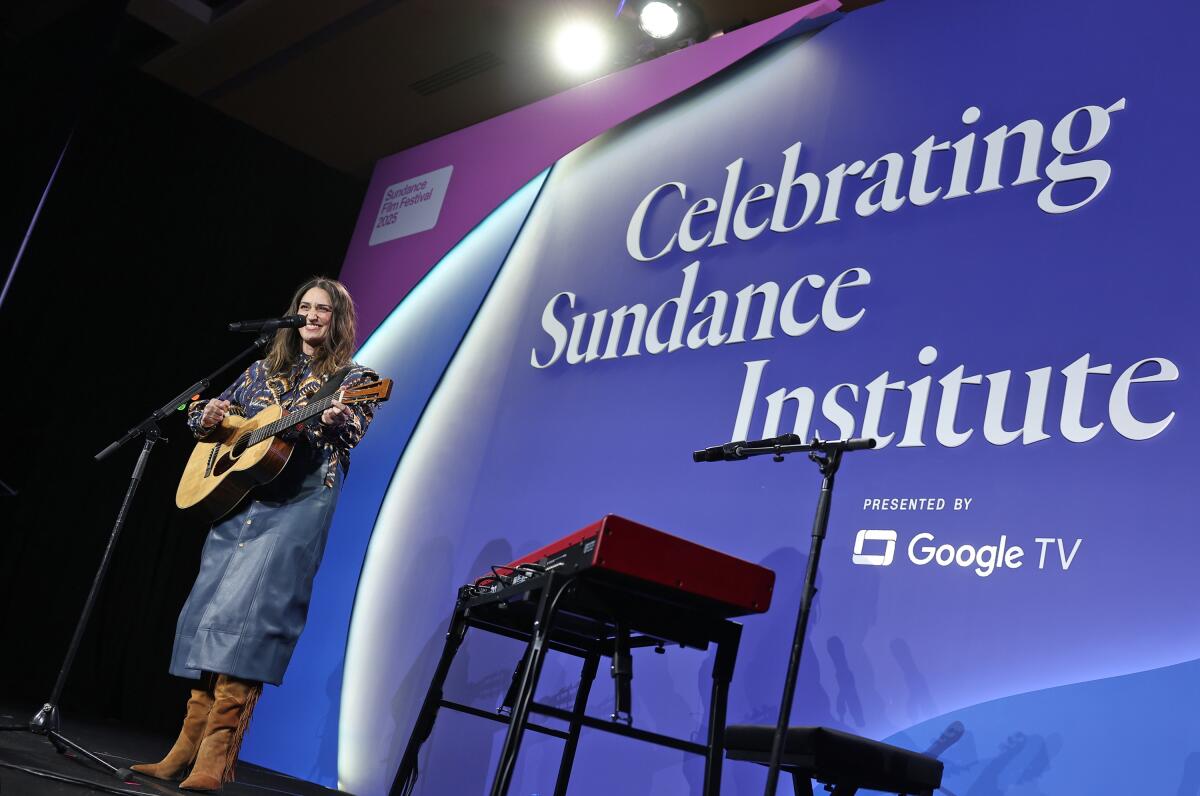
[250,600]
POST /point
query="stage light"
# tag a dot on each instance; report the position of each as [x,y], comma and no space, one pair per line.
[659,20]
[580,47]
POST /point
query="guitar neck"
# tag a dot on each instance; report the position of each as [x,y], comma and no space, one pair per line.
[289,420]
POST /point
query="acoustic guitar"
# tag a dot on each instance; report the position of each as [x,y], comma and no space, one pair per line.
[242,453]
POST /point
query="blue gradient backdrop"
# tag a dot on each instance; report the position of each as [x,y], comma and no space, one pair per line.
[1066,681]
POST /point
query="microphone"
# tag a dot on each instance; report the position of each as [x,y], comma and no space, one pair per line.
[268,324]
[729,453]
[860,444]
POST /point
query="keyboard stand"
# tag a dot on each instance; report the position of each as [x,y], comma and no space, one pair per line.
[591,614]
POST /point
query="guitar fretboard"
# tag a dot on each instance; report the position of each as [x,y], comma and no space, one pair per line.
[287,421]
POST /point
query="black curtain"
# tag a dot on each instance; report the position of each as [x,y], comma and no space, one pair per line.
[167,221]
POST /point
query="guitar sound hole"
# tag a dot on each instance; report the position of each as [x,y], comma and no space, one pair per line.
[240,445]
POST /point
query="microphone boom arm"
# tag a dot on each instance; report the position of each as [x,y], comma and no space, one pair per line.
[779,447]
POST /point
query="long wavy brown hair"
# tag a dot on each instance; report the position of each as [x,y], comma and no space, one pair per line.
[339,339]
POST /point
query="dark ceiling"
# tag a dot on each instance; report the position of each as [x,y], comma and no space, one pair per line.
[351,81]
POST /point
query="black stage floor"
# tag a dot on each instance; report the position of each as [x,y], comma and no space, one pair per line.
[67,775]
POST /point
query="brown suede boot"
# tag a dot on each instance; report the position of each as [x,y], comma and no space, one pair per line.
[227,722]
[187,744]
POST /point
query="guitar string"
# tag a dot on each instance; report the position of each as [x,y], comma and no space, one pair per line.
[271,429]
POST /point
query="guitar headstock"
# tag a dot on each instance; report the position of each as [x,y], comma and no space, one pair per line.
[375,391]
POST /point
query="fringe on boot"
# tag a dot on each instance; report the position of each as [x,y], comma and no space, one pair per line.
[240,732]
[227,723]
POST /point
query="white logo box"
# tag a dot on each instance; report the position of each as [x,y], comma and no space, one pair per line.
[410,206]
[888,537]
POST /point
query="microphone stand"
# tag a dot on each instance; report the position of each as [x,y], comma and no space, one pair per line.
[48,720]
[828,457]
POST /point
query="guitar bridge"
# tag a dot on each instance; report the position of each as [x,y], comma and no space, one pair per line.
[212,459]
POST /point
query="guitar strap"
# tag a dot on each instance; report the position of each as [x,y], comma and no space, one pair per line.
[331,385]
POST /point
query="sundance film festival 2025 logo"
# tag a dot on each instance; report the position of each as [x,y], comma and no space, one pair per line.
[410,206]
[874,547]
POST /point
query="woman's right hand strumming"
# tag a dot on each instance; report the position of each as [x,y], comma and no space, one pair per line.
[214,412]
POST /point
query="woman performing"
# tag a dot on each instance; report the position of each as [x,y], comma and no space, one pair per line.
[239,625]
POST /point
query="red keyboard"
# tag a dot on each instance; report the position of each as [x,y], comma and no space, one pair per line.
[628,549]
